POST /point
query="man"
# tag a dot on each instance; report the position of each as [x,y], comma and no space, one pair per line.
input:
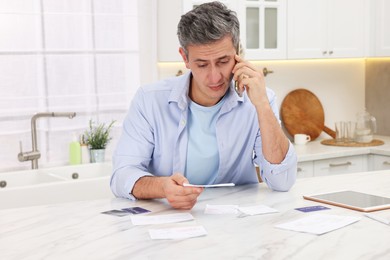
[195,128]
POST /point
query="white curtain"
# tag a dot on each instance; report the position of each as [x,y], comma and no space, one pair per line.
[64,56]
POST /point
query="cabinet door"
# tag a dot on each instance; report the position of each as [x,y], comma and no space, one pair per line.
[382,28]
[346,28]
[379,162]
[340,165]
[307,29]
[167,20]
[305,169]
[263,29]
[326,28]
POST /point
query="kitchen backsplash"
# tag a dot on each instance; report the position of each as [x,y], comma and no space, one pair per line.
[378,92]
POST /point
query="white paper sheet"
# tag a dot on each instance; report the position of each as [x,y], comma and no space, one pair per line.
[161,219]
[177,233]
[257,210]
[378,217]
[209,185]
[221,209]
[318,223]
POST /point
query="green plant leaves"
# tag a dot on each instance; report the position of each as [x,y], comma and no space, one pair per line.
[98,135]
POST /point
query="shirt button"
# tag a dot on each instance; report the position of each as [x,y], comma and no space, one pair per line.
[183,122]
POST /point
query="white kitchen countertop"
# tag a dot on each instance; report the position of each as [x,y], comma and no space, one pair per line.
[79,230]
[314,150]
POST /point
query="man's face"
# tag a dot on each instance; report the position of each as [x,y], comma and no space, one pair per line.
[211,66]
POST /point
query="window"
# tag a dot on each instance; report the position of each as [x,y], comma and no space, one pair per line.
[64,56]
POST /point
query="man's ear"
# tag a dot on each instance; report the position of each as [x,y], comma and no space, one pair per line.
[184,56]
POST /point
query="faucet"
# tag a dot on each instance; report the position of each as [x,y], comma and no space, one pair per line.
[34,155]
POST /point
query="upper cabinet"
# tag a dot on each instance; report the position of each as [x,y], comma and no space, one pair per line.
[168,16]
[327,28]
[295,29]
[380,28]
[262,27]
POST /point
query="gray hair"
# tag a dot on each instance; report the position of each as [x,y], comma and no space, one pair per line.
[208,23]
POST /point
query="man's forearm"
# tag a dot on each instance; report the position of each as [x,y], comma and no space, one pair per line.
[274,142]
[149,187]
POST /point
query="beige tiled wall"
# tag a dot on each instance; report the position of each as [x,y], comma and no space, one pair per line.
[378,93]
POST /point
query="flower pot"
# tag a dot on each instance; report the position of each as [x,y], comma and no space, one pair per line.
[97,155]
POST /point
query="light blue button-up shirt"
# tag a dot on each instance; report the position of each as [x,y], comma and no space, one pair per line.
[155,137]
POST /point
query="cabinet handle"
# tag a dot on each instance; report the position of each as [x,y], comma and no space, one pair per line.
[299,169]
[267,71]
[324,52]
[331,52]
[386,163]
[340,164]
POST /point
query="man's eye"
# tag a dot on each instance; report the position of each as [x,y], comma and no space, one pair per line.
[202,65]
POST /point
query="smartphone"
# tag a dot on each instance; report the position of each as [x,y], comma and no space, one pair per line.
[236,89]
[236,82]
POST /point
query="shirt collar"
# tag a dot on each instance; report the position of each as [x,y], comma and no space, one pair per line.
[180,89]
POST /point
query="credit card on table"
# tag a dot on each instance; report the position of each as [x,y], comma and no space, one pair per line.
[312,208]
[126,211]
[136,210]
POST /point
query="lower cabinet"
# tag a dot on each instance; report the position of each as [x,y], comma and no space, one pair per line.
[341,165]
[378,162]
[305,169]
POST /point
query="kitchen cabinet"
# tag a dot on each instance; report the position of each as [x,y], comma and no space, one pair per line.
[326,28]
[379,162]
[380,27]
[262,27]
[168,16]
[305,169]
[341,165]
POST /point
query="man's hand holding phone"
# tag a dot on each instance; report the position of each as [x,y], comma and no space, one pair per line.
[248,77]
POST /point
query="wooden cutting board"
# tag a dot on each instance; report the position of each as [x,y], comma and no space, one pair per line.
[302,113]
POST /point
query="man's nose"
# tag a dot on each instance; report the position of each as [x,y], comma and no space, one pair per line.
[215,74]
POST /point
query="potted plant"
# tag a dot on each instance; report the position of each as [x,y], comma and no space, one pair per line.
[97,138]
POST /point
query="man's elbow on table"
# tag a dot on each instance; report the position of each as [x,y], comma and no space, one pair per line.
[282,181]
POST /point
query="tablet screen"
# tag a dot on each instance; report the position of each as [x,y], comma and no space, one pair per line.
[353,200]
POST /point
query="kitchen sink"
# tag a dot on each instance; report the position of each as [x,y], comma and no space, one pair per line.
[26,178]
[55,185]
[82,172]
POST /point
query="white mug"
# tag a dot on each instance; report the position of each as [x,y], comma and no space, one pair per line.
[301,138]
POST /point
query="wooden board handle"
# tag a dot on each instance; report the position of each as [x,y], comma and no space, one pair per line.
[329,131]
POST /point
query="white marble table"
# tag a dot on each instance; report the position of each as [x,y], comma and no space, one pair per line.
[80,231]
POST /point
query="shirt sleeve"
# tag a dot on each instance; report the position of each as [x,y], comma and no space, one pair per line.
[133,152]
[282,176]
